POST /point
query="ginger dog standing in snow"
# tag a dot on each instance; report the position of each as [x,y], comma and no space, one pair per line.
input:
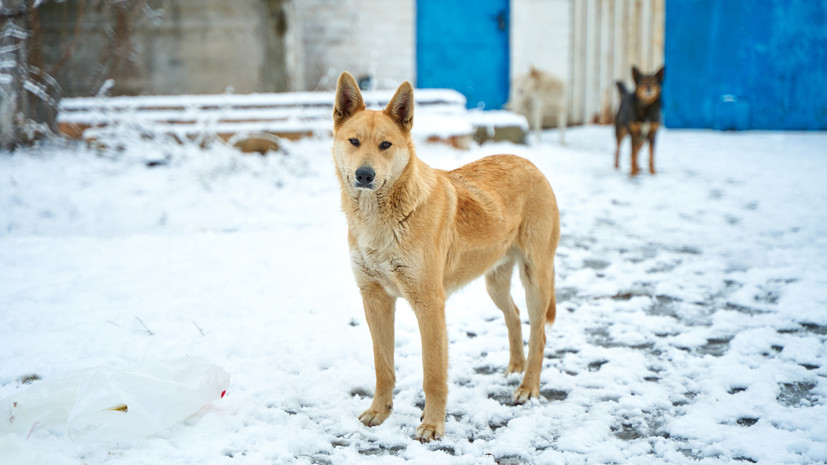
[420,233]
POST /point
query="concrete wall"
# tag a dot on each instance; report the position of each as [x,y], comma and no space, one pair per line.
[172,47]
[208,46]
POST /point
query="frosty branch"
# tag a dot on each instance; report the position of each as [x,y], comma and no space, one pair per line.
[29,94]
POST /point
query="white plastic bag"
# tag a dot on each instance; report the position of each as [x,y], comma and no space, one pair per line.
[104,404]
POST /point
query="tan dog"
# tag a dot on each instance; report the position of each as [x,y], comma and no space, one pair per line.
[420,233]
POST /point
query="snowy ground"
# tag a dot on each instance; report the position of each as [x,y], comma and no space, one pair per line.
[692,318]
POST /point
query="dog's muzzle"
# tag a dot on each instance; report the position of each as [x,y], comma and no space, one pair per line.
[364,177]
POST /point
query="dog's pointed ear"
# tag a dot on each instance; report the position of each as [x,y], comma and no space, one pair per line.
[348,99]
[636,74]
[660,74]
[401,107]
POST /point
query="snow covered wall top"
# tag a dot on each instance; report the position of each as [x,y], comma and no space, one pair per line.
[376,98]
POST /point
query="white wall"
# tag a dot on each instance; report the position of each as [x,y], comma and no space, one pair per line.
[541,36]
[364,37]
[378,37]
[608,37]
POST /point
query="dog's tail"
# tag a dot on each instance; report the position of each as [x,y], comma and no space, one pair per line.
[551,311]
[622,89]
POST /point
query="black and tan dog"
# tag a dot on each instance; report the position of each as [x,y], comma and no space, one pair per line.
[639,115]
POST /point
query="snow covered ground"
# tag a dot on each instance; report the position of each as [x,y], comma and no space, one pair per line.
[692,317]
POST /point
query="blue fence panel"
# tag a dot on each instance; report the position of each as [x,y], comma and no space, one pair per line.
[746,64]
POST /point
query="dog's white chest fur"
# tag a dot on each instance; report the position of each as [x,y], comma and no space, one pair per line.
[645,128]
[378,265]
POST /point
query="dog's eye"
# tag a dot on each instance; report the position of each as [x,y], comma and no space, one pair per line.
[354,141]
[385,145]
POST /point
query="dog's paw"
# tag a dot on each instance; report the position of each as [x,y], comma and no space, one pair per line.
[515,367]
[522,394]
[374,417]
[429,432]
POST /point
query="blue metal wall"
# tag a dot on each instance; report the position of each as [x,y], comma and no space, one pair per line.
[746,64]
[463,45]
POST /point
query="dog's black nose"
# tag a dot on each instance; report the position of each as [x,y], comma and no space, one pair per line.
[364,176]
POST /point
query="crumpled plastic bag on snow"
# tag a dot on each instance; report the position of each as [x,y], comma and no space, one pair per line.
[103,404]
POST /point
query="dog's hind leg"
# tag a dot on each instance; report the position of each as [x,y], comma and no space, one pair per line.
[537,273]
[498,284]
[379,311]
[620,133]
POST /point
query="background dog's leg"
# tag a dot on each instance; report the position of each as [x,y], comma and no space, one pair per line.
[562,123]
[620,133]
[652,148]
[637,143]
[537,118]
[430,313]
[379,311]
[538,282]
[498,284]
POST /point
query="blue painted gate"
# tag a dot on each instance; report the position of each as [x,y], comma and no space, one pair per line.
[746,64]
[463,45]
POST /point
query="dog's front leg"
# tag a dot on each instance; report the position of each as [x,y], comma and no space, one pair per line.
[430,313]
[379,311]
[651,137]
[637,143]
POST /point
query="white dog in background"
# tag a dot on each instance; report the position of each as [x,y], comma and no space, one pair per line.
[541,98]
